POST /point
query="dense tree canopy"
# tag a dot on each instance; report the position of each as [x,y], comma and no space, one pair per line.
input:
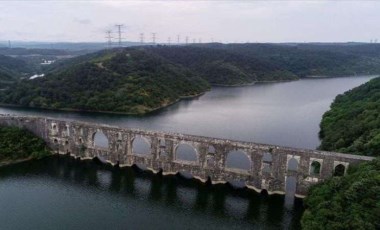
[352,125]
[126,81]
[16,143]
[348,202]
[141,79]
[352,201]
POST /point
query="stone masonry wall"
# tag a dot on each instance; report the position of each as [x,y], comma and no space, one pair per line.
[269,172]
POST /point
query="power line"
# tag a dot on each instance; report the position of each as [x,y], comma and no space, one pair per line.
[142,38]
[154,38]
[119,26]
[109,38]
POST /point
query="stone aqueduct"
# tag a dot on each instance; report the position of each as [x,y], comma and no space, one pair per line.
[270,167]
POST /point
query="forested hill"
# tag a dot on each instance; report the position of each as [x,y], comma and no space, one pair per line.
[126,81]
[352,125]
[351,201]
[141,79]
[314,59]
[11,69]
[221,67]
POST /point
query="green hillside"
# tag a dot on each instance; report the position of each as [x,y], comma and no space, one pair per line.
[124,81]
[352,125]
[221,67]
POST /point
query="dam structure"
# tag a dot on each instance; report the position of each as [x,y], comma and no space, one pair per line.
[257,166]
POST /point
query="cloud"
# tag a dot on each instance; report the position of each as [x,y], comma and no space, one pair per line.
[83,21]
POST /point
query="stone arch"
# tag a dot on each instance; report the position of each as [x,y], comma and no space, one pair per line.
[339,170]
[185,174]
[55,141]
[237,184]
[186,152]
[315,168]
[140,145]
[211,149]
[238,159]
[292,164]
[100,139]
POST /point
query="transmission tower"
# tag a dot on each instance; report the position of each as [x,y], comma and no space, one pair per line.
[200,40]
[142,38]
[169,40]
[109,38]
[178,38]
[154,38]
[9,44]
[119,26]
[194,40]
[187,40]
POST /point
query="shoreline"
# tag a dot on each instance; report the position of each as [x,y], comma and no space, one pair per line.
[107,112]
[12,162]
[253,83]
[186,97]
[339,76]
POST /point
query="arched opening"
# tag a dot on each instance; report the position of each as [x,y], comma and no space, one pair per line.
[66,142]
[185,174]
[80,140]
[267,157]
[210,161]
[55,141]
[162,143]
[211,149]
[186,152]
[238,160]
[208,181]
[339,170]
[290,191]
[292,164]
[141,167]
[315,168]
[67,130]
[236,184]
[140,146]
[264,192]
[100,140]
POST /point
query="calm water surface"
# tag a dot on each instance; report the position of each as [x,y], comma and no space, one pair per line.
[285,114]
[63,193]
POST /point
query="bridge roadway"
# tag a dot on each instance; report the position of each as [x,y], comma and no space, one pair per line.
[271,168]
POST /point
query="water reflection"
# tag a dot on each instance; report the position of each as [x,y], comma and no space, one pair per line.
[217,206]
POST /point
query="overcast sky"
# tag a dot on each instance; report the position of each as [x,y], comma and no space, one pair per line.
[227,21]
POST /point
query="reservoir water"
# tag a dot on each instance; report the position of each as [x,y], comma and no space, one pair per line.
[63,193]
